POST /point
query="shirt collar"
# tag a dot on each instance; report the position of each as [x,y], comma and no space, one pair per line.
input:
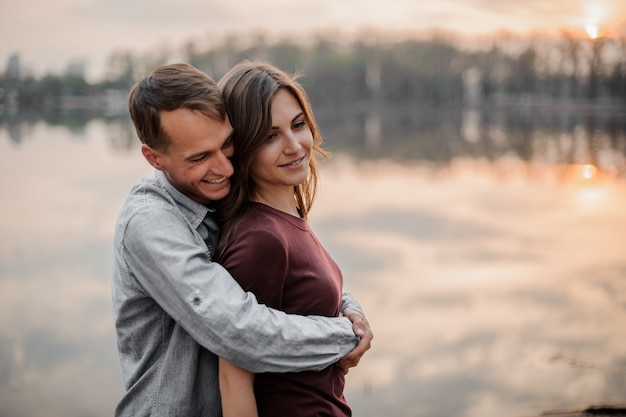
[194,211]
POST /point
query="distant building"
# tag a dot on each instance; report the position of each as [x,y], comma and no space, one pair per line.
[76,68]
[472,94]
[13,68]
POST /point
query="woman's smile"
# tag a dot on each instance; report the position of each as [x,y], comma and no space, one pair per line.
[293,164]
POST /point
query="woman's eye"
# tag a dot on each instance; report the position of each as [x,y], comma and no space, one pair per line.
[299,124]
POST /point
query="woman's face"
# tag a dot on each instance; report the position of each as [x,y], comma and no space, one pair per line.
[282,162]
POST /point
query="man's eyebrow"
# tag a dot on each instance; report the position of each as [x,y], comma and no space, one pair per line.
[198,155]
[229,139]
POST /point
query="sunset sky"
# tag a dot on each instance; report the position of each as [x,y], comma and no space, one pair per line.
[47,35]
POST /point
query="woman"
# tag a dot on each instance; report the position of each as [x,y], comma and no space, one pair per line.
[266,242]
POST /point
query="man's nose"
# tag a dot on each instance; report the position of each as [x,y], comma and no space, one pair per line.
[223,166]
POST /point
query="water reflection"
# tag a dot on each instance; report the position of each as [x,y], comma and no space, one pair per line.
[531,134]
[489,298]
[62,190]
[552,133]
[495,285]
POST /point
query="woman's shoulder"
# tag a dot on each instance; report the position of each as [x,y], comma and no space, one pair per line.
[258,215]
[264,214]
[262,223]
[259,221]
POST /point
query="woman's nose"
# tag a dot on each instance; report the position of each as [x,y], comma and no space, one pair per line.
[293,144]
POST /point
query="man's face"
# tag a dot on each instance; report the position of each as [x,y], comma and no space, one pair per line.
[197,161]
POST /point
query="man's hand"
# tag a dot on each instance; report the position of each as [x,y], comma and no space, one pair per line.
[362,329]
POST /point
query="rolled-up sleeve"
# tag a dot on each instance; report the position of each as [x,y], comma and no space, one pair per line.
[174,267]
[348,302]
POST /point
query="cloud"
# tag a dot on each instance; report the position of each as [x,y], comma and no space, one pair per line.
[154,14]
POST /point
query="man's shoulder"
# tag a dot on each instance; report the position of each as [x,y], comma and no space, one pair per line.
[148,202]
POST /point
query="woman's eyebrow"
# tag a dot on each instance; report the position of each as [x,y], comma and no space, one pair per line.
[292,120]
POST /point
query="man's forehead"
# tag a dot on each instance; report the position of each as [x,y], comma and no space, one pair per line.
[185,123]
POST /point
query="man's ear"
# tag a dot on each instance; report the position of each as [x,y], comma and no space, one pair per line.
[151,155]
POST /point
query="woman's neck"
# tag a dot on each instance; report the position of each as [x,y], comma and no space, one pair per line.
[283,201]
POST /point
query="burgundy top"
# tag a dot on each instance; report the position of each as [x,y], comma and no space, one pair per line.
[278,258]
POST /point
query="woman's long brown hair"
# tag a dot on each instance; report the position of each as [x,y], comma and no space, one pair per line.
[248,89]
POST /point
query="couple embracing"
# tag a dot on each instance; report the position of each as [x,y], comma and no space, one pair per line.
[223,297]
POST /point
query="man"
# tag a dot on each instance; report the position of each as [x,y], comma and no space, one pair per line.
[175,310]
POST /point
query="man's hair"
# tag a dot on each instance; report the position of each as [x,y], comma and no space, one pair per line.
[167,88]
[248,89]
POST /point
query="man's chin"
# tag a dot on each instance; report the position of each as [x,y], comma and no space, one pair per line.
[219,195]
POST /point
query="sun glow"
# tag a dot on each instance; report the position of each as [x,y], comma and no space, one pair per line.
[592,31]
[601,17]
[581,173]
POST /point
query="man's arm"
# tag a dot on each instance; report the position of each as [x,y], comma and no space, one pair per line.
[175,269]
[348,302]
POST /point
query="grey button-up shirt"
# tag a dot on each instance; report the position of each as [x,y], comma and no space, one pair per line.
[176,312]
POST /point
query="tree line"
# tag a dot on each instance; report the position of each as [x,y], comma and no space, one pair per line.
[431,72]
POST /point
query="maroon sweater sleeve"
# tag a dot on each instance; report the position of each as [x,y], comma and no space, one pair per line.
[257,259]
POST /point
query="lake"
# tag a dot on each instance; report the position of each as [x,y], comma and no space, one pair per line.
[489,257]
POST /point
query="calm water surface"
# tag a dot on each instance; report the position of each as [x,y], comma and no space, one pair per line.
[494,288]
